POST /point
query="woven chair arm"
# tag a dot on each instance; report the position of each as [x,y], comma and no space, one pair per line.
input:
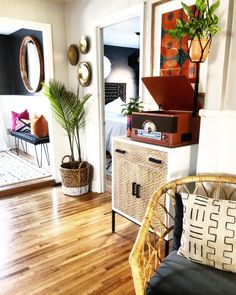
[142,268]
[146,254]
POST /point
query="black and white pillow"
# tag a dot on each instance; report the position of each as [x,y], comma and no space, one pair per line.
[209,231]
[22,125]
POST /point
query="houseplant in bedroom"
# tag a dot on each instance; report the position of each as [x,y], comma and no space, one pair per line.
[134,105]
[69,112]
[201,26]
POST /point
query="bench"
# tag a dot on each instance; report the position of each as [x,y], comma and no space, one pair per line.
[28,137]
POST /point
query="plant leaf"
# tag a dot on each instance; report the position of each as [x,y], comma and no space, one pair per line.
[214,6]
[187,10]
[68,109]
[201,5]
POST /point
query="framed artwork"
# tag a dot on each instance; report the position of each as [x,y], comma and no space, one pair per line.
[168,55]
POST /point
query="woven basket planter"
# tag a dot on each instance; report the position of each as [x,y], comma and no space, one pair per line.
[75,182]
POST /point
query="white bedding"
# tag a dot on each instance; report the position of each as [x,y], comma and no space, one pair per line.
[115,122]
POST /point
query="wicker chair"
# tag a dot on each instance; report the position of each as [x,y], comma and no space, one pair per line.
[157,226]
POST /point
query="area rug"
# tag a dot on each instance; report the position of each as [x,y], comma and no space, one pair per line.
[14,169]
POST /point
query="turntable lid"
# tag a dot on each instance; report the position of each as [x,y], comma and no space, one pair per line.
[171,92]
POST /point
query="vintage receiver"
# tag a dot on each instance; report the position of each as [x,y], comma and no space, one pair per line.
[173,125]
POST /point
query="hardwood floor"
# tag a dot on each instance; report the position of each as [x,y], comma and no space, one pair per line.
[54,244]
[11,189]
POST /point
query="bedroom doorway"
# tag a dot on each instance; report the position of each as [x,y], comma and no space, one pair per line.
[137,12]
[121,46]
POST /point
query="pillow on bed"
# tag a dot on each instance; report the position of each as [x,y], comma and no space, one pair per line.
[115,106]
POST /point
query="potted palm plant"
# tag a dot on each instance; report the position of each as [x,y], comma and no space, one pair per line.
[134,105]
[201,25]
[68,108]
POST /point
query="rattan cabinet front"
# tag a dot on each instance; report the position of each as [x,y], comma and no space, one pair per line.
[138,172]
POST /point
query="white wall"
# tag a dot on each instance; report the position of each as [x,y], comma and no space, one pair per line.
[80,16]
[80,19]
[218,61]
[216,145]
[230,94]
[216,152]
[43,12]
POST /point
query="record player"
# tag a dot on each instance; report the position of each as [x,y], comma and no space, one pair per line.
[174,123]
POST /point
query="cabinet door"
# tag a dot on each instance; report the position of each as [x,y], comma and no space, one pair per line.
[138,172]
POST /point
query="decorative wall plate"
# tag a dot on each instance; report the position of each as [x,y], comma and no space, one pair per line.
[84,73]
[73,54]
[84,44]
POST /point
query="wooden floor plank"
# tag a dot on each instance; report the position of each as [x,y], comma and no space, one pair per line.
[54,244]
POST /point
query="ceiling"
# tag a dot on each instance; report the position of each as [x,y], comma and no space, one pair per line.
[60,1]
[123,34]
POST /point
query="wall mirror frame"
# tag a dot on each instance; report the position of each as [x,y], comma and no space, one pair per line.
[24,69]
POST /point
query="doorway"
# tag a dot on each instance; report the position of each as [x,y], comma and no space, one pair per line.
[118,20]
[19,103]
[121,80]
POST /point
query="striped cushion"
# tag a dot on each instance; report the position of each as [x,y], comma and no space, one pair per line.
[209,231]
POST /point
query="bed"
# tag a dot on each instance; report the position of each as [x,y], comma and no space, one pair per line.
[115,122]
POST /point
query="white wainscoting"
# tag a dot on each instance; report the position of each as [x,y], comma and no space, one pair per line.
[217,144]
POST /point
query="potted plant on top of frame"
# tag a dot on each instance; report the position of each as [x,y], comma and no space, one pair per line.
[134,105]
[201,26]
[68,109]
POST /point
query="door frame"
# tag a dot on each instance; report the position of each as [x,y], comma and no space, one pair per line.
[134,11]
[46,30]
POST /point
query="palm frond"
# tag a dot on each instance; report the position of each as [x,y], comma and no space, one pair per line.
[68,109]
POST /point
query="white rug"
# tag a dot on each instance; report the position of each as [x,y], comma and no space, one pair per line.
[14,169]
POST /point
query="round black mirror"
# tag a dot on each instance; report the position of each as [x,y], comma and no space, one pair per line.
[31,64]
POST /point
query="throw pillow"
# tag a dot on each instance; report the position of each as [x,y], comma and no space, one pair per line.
[114,106]
[22,125]
[178,222]
[15,116]
[39,126]
[209,231]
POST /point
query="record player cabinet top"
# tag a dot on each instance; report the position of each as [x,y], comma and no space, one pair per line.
[171,92]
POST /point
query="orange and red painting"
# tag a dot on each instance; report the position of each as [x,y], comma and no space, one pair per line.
[174,53]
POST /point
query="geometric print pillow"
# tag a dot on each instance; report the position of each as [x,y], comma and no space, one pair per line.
[209,231]
[22,125]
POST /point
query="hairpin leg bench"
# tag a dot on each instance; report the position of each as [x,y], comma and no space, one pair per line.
[26,137]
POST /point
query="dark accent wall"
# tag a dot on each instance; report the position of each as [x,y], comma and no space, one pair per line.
[124,58]
[10,77]
[5,65]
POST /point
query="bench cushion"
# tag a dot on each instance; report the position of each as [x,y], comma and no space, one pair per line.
[178,276]
[28,137]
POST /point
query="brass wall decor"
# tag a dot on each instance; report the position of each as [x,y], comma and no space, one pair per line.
[84,44]
[73,54]
[31,64]
[84,73]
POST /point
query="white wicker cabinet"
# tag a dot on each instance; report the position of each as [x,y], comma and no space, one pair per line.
[140,168]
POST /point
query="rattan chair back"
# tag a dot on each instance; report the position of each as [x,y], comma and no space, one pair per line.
[157,225]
